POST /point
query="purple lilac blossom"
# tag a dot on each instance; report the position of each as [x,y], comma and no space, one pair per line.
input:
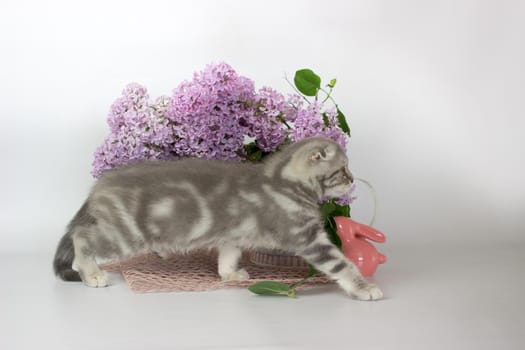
[267,123]
[138,130]
[209,113]
[208,117]
[348,198]
[309,122]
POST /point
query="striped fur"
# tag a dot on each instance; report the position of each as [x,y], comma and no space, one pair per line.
[178,206]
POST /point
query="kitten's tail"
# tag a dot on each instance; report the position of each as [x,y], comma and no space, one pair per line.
[65,254]
[63,262]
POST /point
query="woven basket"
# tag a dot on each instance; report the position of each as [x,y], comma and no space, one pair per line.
[197,271]
[277,259]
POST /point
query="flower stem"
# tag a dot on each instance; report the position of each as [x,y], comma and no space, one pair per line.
[313,272]
[281,118]
[297,284]
[328,96]
[293,87]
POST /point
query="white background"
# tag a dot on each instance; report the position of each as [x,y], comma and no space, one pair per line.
[434,94]
[433,91]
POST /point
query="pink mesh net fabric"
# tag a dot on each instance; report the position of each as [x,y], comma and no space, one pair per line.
[198,272]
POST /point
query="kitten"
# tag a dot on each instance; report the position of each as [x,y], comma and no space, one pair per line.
[178,206]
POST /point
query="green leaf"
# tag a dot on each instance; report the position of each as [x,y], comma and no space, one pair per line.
[257,155]
[332,82]
[312,271]
[253,153]
[272,288]
[250,147]
[325,119]
[327,209]
[345,210]
[307,82]
[342,122]
[341,210]
[332,232]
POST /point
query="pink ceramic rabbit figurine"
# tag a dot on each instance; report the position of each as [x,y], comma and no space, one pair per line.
[355,246]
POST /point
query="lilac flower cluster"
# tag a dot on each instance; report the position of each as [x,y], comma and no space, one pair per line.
[210,116]
[310,121]
[139,130]
[210,113]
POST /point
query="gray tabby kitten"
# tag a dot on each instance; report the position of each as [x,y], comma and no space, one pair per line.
[178,206]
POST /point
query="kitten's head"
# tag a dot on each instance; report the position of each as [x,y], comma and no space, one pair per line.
[319,163]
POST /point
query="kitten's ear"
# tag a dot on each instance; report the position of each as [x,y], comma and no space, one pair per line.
[325,153]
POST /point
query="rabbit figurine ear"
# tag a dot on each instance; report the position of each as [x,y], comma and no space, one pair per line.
[370,233]
[347,228]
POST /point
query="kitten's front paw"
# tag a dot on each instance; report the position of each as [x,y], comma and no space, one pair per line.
[97,279]
[239,275]
[367,292]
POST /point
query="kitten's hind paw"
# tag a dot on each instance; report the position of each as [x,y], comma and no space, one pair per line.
[97,279]
[368,292]
[239,275]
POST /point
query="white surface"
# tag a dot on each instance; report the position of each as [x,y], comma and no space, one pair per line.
[436,298]
[433,91]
